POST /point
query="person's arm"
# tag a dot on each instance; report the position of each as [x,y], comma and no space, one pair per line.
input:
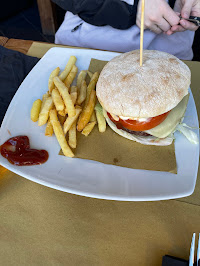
[115,13]
[159,16]
[187,8]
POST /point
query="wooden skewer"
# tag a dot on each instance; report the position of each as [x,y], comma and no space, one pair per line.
[142,32]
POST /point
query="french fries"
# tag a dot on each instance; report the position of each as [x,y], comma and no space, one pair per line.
[53,74]
[62,113]
[74,93]
[72,136]
[35,110]
[73,89]
[44,97]
[81,77]
[44,114]
[82,93]
[57,100]
[49,129]
[100,118]
[86,131]
[91,86]
[60,107]
[68,67]
[70,120]
[87,111]
[70,78]
[93,117]
[90,74]
[66,96]
[60,134]
[73,96]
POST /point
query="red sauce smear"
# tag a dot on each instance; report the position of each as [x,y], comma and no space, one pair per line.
[17,151]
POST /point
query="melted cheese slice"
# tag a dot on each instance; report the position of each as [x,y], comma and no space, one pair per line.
[170,123]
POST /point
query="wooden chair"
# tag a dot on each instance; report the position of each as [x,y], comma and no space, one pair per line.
[47,16]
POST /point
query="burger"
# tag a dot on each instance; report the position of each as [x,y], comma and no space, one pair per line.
[144,103]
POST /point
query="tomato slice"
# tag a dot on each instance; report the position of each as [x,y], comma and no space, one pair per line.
[136,125]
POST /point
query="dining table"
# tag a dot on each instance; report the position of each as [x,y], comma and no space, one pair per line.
[43,226]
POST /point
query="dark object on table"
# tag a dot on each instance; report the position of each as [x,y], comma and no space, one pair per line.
[173,261]
[12,7]
[14,66]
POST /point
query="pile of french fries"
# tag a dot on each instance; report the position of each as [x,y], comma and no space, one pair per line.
[64,108]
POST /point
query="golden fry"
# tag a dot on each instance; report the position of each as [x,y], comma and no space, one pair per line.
[87,111]
[44,97]
[70,120]
[49,129]
[53,74]
[60,134]
[66,96]
[62,113]
[91,85]
[57,100]
[88,128]
[90,74]
[68,67]
[35,110]
[83,92]
[93,117]
[72,136]
[81,77]
[73,96]
[70,78]
[44,114]
[100,118]
[73,89]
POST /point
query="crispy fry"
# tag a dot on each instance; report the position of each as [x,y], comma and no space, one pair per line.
[87,111]
[70,120]
[66,96]
[95,76]
[35,110]
[93,117]
[53,74]
[86,131]
[72,136]
[61,119]
[73,96]
[68,67]
[60,134]
[70,78]
[44,114]
[73,89]
[81,77]
[57,100]
[90,74]
[49,129]
[91,85]
[62,113]
[82,93]
[44,97]
[74,93]
[100,118]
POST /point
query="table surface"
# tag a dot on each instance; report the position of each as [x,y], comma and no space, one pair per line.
[41,226]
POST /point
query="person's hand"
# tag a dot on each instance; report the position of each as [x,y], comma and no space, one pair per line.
[186,8]
[158,16]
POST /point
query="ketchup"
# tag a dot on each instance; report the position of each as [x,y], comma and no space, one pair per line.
[17,151]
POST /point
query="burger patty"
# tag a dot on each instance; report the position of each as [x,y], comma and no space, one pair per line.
[137,133]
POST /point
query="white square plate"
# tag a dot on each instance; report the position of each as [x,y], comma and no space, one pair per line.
[84,177]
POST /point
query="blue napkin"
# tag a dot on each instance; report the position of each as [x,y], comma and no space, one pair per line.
[14,66]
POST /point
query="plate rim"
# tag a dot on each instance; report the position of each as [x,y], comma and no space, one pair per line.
[88,194]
